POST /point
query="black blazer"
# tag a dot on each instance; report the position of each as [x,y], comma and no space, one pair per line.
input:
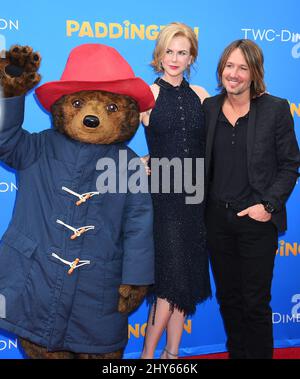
[272,150]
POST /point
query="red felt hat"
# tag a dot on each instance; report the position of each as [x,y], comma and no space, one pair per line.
[96,67]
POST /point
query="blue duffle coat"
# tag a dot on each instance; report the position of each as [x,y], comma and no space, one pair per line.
[78,311]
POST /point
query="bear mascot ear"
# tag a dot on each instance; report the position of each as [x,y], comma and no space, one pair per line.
[18,70]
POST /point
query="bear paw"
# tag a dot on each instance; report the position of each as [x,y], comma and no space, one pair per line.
[131,297]
[18,70]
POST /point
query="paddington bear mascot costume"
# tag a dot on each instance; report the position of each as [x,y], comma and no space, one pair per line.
[75,259]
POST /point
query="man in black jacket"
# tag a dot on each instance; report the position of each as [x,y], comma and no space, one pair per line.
[252,166]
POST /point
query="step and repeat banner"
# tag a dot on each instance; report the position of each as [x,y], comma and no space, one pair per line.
[54,27]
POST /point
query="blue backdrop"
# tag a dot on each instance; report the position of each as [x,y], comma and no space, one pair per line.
[55,27]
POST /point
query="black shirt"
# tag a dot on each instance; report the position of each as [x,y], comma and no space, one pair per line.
[229,181]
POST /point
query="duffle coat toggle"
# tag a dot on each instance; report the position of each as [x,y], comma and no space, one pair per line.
[77,312]
[73,265]
[82,197]
[77,232]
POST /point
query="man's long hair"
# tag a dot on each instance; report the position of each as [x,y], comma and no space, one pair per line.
[255,61]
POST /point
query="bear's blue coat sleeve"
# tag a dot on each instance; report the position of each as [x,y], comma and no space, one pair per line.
[138,245]
[18,148]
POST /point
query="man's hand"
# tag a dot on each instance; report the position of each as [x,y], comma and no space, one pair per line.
[257,212]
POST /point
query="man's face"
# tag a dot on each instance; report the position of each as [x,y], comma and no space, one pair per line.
[236,77]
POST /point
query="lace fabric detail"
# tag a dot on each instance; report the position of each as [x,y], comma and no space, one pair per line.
[176,129]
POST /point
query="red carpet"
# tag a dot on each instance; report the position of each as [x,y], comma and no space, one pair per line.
[286,353]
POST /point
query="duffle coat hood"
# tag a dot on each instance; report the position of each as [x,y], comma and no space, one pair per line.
[75,312]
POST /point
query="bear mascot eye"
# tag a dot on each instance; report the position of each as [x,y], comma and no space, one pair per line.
[112,107]
[77,103]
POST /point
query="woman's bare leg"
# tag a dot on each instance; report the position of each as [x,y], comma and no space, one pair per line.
[174,334]
[154,332]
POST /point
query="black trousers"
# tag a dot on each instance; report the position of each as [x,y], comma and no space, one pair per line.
[242,253]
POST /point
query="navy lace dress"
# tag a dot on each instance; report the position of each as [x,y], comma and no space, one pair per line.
[176,129]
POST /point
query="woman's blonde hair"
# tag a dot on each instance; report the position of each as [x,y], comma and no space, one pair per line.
[174,29]
[255,60]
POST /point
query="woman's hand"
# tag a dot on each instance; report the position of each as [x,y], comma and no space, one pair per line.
[145,161]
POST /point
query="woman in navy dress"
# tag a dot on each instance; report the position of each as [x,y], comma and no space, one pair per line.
[175,129]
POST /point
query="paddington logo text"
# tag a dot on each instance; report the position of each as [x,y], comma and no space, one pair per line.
[295,109]
[139,330]
[286,249]
[7,187]
[9,24]
[113,30]
[10,344]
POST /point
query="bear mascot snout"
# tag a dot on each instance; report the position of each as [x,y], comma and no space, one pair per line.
[76,259]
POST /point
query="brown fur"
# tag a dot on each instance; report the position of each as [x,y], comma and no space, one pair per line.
[34,351]
[29,61]
[114,127]
[131,297]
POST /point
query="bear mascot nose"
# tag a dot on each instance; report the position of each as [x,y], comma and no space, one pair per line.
[91,121]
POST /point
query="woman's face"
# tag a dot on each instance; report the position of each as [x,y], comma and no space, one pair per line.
[177,56]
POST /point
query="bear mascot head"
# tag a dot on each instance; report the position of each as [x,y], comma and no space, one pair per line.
[74,260]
